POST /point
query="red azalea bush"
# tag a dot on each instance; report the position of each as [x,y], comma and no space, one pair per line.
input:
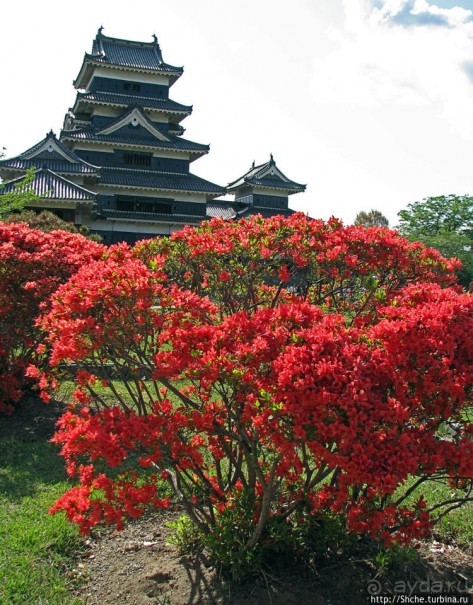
[32,265]
[350,270]
[270,371]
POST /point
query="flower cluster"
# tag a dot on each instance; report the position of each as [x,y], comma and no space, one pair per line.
[287,364]
[345,269]
[32,265]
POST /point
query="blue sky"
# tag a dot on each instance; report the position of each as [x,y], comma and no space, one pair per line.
[369,102]
[468,4]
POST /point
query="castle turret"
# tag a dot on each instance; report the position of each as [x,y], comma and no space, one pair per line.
[264,189]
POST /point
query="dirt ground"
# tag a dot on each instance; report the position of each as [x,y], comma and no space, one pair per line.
[137,566]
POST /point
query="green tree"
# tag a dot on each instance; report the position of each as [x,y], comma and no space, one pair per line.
[444,222]
[21,195]
[48,221]
[373,218]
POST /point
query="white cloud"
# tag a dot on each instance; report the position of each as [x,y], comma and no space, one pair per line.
[380,61]
[419,13]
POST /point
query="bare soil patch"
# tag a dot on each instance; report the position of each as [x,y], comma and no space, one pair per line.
[137,566]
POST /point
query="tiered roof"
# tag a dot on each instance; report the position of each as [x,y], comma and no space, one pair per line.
[125,54]
[53,154]
[133,129]
[51,186]
[132,141]
[145,134]
[151,179]
[226,210]
[267,176]
[131,100]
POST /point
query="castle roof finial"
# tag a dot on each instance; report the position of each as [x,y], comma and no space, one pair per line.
[155,39]
[271,159]
[99,32]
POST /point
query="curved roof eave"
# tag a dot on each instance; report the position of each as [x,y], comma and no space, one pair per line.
[121,100]
[212,194]
[41,186]
[112,141]
[67,153]
[90,62]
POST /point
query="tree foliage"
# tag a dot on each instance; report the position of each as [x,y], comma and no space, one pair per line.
[273,371]
[46,221]
[22,195]
[438,215]
[445,223]
[373,218]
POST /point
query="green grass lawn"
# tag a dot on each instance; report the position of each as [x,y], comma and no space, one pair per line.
[36,549]
[457,526]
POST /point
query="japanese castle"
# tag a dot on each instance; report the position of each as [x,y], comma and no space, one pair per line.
[121,167]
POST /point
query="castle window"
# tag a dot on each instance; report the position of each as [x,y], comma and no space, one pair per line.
[136,87]
[160,208]
[136,204]
[125,205]
[153,207]
[136,159]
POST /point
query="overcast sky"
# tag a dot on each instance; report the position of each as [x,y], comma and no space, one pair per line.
[369,102]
